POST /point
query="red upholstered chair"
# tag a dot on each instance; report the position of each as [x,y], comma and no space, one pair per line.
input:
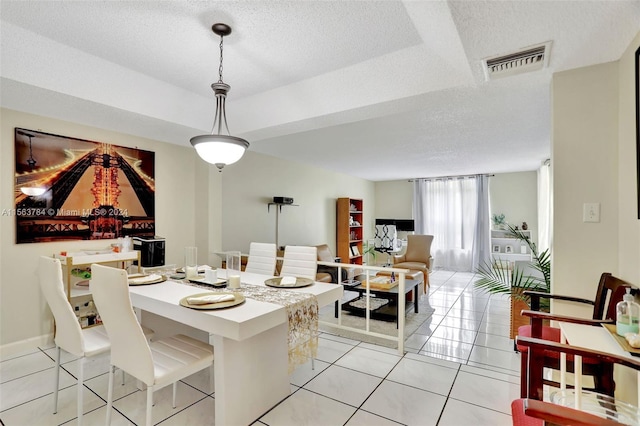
[531,410]
[609,293]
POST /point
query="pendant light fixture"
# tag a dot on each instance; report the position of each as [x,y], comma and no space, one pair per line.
[218,148]
[31,189]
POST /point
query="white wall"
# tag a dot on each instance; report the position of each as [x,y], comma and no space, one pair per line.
[594,160]
[250,184]
[516,196]
[584,167]
[394,199]
[23,312]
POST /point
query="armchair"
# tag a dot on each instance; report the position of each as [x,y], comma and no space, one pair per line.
[417,257]
[328,274]
[609,293]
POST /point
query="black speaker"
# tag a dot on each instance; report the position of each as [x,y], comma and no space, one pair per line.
[151,250]
[283,200]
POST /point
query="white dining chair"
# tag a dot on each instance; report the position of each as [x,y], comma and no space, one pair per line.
[81,342]
[262,259]
[157,364]
[300,261]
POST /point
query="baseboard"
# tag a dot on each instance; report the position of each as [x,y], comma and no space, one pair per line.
[25,346]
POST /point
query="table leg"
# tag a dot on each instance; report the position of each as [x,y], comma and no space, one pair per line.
[251,375]
[415,299]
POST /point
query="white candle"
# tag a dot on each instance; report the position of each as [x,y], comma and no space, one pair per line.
[234,281]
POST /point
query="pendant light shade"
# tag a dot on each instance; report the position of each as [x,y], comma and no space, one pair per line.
[218,148]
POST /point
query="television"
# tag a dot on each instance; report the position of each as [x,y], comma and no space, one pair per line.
[401,224]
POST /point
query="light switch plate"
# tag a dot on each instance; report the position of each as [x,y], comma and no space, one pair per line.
[591,212]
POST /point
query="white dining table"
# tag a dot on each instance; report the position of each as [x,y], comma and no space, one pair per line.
[250,343]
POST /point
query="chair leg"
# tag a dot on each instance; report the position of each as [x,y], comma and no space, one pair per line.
[57,381]
[112,370]
[313,363]
[80,390]
[149,405]
[524,388]
[212,378]
[122,377]
[175,387]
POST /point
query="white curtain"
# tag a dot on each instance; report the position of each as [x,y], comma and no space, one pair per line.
[544,206]
[482,242]
[454,211]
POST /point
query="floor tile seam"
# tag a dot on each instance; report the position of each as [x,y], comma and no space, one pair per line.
[276,406]
[193,387]
[44,351]
[432,355]
[451,340]
[26,402]
[507,370]
[491,347]
[447,397]
[421,389]
[113,407]
[457,328]
[385,378]
[17,357]
[84,379]
[377,415]
[493,334]
[481,406]
[335,335]
[465,359]
[370,374]
[489,377]
[184,409]
[27,375]
[433,363]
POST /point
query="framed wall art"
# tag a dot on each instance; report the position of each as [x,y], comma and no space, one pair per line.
[74,189]
[637,75]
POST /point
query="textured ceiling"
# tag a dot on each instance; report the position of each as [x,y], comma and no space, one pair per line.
[376,89]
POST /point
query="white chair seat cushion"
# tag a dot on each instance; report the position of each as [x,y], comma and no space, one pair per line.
[174,356]
[96,340]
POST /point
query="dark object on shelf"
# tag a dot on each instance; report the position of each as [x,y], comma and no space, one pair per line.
[401,224]
[524,226]
[283,200]
[151,250]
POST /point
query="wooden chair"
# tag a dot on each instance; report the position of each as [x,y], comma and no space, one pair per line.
[609,293]
[531,410]
[262,259]
[300,261]
[157,364]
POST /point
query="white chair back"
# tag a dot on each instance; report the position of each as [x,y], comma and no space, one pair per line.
[129,348]
[300,261]
[68,332]
[262,259]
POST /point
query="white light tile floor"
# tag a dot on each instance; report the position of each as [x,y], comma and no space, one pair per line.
[459,369]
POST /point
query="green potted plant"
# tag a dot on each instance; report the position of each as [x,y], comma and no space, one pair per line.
[498,221]
[498,277]
[369,250]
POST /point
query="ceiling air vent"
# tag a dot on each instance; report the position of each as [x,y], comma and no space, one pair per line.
[529,59]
